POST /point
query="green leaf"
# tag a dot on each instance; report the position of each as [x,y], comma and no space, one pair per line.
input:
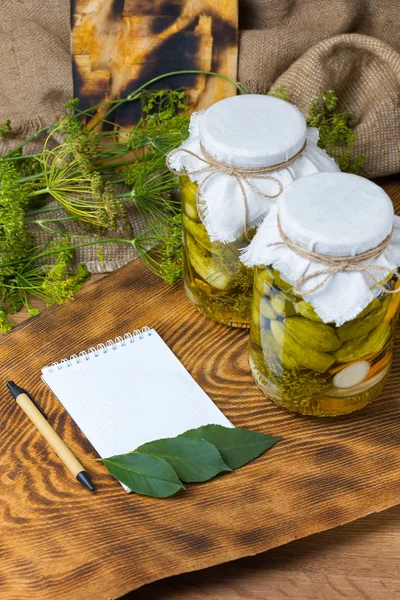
[144,474]
[237,446]
[192,459]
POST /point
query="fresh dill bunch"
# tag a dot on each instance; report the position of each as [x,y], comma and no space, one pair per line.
[165,121]
[85,193]
[15,241]
[5,129]
[52,283]
[153,186]
[160,248]
[111,214]
[280,92]
[81,142]
[336,132]
[25,165]
[159,134]
[58,283]
[5,325]
[165,103]
[335,126]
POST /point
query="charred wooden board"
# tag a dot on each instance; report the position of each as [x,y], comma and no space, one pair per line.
[58,541]
[121,44]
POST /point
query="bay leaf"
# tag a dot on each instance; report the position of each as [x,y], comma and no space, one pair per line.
[237,446]
[144,474]
[194,460]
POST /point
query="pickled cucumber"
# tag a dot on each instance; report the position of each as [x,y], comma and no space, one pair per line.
[303,355]
[371,306]
[189,198]
[266,309]
[274,354]
[372,343]
[198,231]
[317,336]
[282,306]
[306,310]
[359,327]
[281,283]
[205,266]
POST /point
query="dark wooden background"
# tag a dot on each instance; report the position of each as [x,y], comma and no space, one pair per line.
[118,45]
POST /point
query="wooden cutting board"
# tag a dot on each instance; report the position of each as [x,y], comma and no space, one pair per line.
[59,541]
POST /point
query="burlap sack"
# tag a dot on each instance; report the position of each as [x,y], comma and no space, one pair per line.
[308,45]
[297,43]
[35,64]
[365,73]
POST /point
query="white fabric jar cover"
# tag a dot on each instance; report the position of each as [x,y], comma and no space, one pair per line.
[251,130]
[334,214]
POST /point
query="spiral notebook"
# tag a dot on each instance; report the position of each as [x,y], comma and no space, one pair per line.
[129,391]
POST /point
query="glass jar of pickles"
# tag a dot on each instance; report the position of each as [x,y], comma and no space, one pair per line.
[241,153]
[327,352]
[215,280]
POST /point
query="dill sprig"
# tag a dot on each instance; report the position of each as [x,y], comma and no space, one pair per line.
[335,126]
[336,131]
[160,248]
[5,129]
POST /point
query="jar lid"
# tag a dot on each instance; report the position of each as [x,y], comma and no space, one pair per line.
[338,214]
[330,215]
[252,130]
[249,131]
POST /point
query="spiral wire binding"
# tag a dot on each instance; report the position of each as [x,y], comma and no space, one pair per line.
[94,351]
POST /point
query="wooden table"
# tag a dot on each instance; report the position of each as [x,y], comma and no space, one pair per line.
[360,560]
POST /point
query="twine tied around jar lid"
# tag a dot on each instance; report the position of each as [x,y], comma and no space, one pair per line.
[337,264]
[241,174]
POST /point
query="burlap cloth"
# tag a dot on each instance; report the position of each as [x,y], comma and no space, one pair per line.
[310,46]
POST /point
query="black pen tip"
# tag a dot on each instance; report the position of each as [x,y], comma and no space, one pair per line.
[84,479]
[14,389]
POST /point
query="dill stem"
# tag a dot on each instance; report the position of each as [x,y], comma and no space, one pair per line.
[40,211]
[39,192]
[29,139]
[22,156]
[73,247]
[31,177]
[136,93]
[40,221]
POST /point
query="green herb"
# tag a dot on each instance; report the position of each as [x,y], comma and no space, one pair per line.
[195,456]
[144,474]
[165,240]
[237,446]
[336,132]
[280,92]
[5,129]
[192,459]
[335,126]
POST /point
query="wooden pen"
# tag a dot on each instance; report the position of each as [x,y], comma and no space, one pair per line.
[43,426]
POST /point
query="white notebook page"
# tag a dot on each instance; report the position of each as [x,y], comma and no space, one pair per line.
[129,393]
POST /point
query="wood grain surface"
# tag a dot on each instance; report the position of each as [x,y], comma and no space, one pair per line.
[57,541]
[117,46]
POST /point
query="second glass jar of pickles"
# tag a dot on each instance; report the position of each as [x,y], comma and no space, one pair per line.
[221,209]
[328,352]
